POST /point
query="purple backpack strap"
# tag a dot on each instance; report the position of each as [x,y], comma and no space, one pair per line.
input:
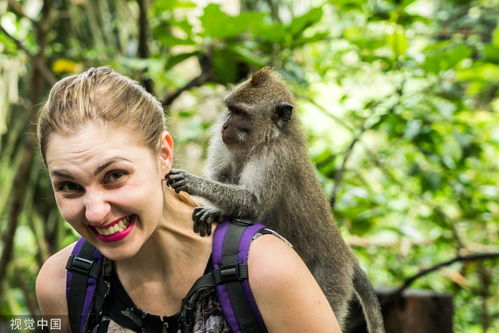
[83,271]
[231,243]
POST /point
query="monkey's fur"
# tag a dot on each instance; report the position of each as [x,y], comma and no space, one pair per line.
[259,169]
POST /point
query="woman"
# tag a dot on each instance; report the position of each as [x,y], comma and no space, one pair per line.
[104,143]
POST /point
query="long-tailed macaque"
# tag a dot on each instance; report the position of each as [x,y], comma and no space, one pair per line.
[259,170]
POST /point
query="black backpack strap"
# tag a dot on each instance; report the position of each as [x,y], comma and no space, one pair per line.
[231,242]
[211,279]
[229,278]
[83,283]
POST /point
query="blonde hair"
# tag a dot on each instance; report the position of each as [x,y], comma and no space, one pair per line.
[104,96]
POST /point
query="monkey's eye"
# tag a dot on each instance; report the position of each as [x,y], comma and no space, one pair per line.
[236,111]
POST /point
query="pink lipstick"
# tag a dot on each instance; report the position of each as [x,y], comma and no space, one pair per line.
[116,230]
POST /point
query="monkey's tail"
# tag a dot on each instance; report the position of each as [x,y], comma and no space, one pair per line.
[368,300]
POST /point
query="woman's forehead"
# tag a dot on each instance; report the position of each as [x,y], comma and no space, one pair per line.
[93,142]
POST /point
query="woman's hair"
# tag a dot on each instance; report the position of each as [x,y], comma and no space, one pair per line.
[102,96]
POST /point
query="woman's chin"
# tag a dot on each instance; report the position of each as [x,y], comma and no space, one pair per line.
[121,250]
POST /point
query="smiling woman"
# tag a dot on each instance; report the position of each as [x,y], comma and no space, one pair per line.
[104,143]
[102,176]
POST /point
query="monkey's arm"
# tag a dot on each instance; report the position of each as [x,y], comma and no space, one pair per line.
[234,200]
[259,186]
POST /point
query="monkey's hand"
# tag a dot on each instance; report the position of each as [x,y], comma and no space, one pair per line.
[204,217]
[181,180]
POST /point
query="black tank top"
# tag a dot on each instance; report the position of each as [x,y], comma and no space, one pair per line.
[122,315]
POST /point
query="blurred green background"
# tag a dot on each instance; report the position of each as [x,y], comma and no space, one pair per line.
[399,100]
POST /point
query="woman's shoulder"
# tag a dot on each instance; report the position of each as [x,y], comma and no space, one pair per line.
[273,261]
[280,279]
[51,283]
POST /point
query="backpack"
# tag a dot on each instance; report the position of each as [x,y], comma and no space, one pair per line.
[86,288]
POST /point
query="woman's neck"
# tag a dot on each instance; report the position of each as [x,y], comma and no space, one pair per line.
[172,247]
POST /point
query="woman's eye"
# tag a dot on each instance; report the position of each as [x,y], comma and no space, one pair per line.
[114,176]
[69,187]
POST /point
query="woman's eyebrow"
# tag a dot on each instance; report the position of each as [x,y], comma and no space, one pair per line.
[108,163]
[62,173]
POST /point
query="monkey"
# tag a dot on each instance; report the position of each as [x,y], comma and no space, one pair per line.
[258,169]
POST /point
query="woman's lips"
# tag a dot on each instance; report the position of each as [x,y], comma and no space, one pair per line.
[118,220]
[116,230]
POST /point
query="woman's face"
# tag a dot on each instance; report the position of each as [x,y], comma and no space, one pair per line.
[108,185]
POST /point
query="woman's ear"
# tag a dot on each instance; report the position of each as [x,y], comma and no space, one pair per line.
[166,151]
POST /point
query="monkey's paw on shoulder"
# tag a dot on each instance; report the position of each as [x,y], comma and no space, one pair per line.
[181,180]
[204,217]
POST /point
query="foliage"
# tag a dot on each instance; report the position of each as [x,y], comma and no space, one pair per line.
[399,99]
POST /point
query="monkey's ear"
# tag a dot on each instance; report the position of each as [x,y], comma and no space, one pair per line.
[283,113]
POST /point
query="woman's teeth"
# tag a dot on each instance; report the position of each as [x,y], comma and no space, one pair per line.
[115,228]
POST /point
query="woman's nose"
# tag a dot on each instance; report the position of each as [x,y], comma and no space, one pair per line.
[96,207]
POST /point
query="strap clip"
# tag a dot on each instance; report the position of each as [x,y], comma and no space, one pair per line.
[83,266]
[236,272]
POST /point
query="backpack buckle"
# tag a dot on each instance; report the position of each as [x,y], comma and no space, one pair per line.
[81,265]
[233,273]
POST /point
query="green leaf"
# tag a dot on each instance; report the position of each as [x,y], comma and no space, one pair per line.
[218,24]
[301,23]
[158,7]
[178,58]
[443,58]
[246,55]
[319,36]
[430,181]
[487,72]
[491,54]
[398,41]
[274,33]
[348,4]
[225,67]
[457,54]
[495,36]
[168,40]
[184,25]
[361,226]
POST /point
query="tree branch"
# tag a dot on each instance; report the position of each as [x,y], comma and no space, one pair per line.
[470,257]
[195,82]
[47,74]
[325,111]
[19,190]
[338,177]
[17,9]
[143,49]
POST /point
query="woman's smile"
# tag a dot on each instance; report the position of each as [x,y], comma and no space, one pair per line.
[116,230]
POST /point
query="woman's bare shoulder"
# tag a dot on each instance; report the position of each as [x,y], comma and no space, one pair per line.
[286,293]
[51,283]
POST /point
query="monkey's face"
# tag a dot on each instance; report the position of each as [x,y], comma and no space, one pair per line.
[259,111]
[237,128]
[253,126]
